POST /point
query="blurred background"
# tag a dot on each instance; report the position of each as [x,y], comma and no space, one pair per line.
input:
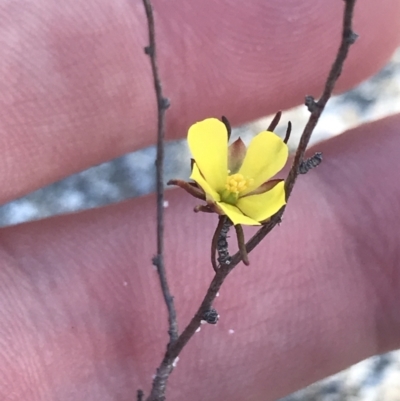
[375,379]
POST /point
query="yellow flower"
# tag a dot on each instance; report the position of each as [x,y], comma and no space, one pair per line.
[235,178]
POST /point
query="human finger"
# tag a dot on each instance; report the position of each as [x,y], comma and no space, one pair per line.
[77,87]
[83,311]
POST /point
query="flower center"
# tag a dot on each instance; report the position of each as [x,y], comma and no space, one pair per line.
[235,184]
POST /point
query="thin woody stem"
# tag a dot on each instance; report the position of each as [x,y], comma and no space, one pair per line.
[162,105]
[348,38]
[316,108]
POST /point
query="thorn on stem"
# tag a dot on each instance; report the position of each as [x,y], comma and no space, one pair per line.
[310,103]
[155,260]
[351,37]
[149,50]
[165,103]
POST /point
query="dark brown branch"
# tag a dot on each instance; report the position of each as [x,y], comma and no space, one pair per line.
[348,38]
[316,108]
[191,328]
[162,105]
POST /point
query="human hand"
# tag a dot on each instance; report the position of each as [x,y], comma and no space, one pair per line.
[82,316]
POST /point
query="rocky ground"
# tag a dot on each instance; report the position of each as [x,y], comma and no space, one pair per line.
[375,379]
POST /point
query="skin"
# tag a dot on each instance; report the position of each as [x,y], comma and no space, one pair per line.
[81,312]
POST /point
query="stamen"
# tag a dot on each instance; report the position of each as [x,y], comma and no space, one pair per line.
[235,184]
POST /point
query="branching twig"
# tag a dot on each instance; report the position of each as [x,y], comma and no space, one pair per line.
[316,108]
[348,38]
[162,105]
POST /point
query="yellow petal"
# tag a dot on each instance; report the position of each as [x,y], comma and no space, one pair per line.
[266,155]
[261,206]
[236,216]
[210,193]
[208,142]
